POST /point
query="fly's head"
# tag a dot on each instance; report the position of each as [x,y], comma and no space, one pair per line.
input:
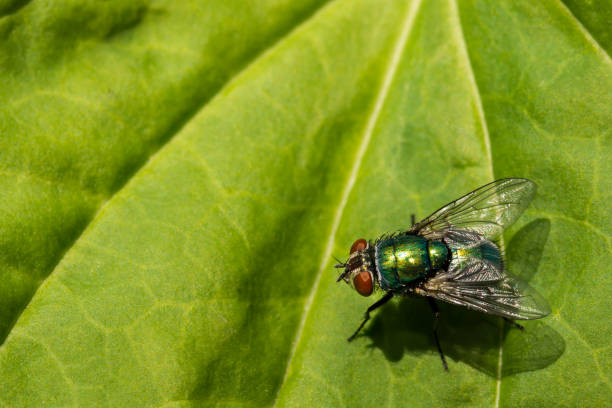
[359,268]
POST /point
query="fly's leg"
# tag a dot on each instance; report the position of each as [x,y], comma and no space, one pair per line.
[412,219]
[515,324]
[375,306]
[436,313]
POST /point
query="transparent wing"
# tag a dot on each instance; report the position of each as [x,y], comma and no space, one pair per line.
[484,287]
[487,210]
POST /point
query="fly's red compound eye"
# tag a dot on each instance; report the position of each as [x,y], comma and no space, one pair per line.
[363,283]
[359,245]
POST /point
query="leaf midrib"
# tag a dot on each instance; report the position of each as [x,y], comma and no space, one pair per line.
[585,32]
[487,142]
[381,96]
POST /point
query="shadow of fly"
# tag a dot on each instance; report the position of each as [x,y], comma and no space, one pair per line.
[452,256]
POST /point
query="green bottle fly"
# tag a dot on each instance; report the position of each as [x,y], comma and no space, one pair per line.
[451,256]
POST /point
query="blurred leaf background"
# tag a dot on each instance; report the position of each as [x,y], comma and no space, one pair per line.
[175,178]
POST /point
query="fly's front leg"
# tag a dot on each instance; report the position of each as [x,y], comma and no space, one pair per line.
[436,313]
[375,306]
[412,220]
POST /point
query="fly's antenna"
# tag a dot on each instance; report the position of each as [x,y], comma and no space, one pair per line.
[340,264]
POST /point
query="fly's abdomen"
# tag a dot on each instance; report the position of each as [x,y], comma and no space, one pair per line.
[405,258]
[486,251]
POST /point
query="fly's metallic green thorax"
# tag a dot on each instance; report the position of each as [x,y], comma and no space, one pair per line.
[404,258]
[438,254]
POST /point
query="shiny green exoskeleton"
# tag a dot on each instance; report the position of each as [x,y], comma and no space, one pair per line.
[402,259]
[451,256]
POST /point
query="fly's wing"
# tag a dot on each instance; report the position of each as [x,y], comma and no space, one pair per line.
[482,284]
[487,210]
[508,297]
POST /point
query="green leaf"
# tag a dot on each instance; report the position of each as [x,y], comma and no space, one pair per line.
[177,178]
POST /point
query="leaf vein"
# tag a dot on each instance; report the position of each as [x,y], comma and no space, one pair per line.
[585,32]
[363,146]
[487,143]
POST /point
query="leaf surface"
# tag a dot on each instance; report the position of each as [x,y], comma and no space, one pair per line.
[186,175]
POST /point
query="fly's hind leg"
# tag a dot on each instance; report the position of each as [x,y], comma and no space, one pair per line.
[515,324]
[412,220]
[436,313]
[375,306]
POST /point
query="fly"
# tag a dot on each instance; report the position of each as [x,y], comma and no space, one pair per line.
[452,256]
